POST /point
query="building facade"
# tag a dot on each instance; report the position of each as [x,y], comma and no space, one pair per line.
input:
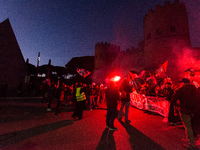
[166,35]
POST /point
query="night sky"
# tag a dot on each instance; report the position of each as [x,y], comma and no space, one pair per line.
[63,29]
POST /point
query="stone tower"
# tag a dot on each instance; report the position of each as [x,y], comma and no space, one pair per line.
[105,56]
[12,65]
[166,33]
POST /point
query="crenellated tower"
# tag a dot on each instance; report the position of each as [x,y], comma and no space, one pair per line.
[166,33]
[105,60]
[105,54]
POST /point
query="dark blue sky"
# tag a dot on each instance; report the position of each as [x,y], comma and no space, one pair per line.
[63,29]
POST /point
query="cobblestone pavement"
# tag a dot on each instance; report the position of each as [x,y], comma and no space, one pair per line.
[25,124]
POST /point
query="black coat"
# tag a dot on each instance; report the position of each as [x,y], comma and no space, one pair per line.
[128,90]
[112,96]
[187,97]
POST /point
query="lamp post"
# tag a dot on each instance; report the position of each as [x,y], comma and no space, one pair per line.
[36,77]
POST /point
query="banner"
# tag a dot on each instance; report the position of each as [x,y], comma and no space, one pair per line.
[157,105]
[137,100]
[150,103]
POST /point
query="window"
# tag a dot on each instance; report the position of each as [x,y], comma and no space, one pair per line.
[172,29]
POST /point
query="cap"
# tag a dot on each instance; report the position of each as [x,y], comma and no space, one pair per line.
[184,80]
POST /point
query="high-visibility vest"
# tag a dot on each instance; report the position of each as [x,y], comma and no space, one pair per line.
[80,96]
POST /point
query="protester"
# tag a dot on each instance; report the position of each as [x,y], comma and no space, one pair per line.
[158,91]
[195,120]
[173,116]
[85,89]
[125,91]
[45,93]
[59,95]
[112,96]
[89,97]
[68,95]
[93,96]
[80,102]
[186,94]
[97,97]
[152,89]
[50,97]
[144,89]
[45,90]
[87,94]
[102,94]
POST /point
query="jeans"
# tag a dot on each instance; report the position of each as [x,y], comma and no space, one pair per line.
[188,128]
[93,101]
[110,117]
[58,106]
[126,104]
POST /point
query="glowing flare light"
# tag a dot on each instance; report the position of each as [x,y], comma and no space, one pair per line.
[116,78]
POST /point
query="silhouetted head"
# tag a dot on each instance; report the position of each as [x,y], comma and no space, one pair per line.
[111,84]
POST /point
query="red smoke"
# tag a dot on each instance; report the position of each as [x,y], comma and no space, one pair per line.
[187,60]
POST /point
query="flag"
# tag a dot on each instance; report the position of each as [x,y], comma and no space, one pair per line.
[84,73]
[159,71]
[142,73]
[151,79]
[165,66]
[133,75]
[129,78]
[162,69]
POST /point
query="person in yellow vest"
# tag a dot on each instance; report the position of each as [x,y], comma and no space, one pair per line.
[80,102]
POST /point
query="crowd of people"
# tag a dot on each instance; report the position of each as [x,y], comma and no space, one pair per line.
[184,100]
[184,104]
[67,95]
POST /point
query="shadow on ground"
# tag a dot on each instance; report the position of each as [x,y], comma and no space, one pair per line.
[140,141]
[107,141]
[19,136]
[18,111]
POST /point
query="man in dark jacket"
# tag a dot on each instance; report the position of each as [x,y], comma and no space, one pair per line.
[186,94]
[112,96]
[125,91]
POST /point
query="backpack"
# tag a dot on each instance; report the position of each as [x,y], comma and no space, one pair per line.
[123,94]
